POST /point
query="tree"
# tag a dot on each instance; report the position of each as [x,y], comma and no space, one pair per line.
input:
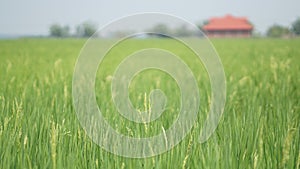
[183,31]
[56,30]
[86,29]
[278,31]
[201,24]
[161,30]
[296,27]
[121,33]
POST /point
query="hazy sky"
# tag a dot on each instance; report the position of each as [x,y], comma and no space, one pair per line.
[35,16]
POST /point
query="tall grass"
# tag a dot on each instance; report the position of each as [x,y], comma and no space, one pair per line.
[259,128]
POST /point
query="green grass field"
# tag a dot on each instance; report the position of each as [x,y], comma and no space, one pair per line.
[260,127]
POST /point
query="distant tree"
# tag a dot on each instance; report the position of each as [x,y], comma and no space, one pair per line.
[56,30]
[278,31]
[296,27]
[201,24]
[86,29]
[161,29]
[120,34]
[183,31]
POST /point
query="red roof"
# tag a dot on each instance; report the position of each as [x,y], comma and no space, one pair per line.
[228,22]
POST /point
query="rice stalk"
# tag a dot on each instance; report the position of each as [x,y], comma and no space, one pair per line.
[286,147]
[53,142]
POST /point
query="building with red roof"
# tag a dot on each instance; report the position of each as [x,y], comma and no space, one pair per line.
[228,26]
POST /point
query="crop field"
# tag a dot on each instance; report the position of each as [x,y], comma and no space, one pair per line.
[260,126]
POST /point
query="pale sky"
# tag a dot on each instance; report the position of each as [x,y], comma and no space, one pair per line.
[33,17]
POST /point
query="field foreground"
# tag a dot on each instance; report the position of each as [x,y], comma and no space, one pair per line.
[260,127]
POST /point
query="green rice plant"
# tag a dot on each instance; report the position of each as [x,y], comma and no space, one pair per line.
[260,127]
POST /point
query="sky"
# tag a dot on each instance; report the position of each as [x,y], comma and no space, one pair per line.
[34,17]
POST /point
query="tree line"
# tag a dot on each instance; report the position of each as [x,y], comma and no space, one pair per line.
[88,28]
[278,31]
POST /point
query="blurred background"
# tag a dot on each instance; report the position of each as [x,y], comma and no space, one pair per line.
[80,18]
